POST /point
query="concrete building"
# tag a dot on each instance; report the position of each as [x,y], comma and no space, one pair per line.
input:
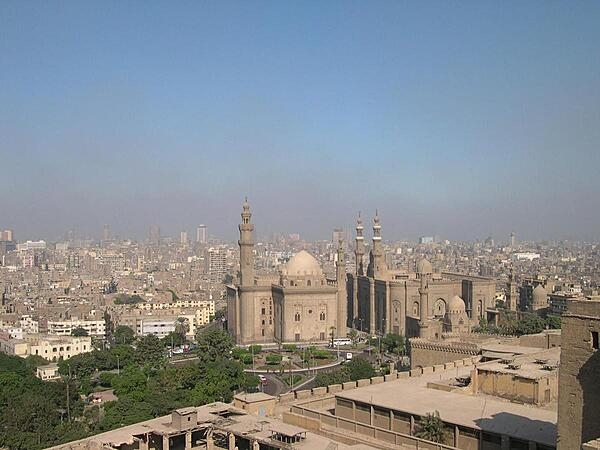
[209,427]
[299,304]
[579,395]
[51,348]
[96,328]
[48,372]
[201,234]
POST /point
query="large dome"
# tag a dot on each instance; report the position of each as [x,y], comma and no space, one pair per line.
[456,305]
[302,263]
[424,266]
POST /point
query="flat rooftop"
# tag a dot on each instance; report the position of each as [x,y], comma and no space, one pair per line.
[481,412]
[531,365]
[240,423]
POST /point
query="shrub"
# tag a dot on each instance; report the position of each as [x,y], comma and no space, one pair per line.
[273,359]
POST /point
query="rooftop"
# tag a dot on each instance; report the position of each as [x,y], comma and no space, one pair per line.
[474,411]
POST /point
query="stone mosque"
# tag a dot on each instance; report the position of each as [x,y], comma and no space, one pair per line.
[299,304]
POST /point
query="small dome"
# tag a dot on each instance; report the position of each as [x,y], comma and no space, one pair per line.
[424,266]
[302,263]
[456,305]
[540,297]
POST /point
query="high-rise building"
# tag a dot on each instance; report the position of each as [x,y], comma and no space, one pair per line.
[6,235]
[183,238]
[217,263]
[154,234]
[106,232]
[513,239]
[201,236]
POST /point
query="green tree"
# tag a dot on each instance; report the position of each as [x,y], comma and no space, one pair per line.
[431,427]
[182,326]
[213,344]
[353,335]
[150,352]
[554,322]
[394,343]
[79,331]
[359,369]
[123,335]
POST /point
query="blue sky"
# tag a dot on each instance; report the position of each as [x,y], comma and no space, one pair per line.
[453,118]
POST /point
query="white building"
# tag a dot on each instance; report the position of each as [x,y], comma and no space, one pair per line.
[65,327]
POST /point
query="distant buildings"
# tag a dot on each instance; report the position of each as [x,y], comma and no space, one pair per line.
[51,348]
[201,234]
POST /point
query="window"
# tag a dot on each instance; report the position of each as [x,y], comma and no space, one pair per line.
[322,336]
[322,315]
[595,340]
[308,283]
[297,337]
[263,311]
[297,317]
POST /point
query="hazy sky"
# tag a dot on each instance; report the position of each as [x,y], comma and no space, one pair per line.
[453,118]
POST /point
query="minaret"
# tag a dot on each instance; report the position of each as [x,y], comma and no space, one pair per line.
[246,247]
[342,300]
[359,253]
[511,295]
[245,300]
[378,259]
[423,292]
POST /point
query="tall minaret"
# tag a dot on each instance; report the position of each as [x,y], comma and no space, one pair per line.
[423,292]
[342,300]
[246,247]
[378,258]
[511,295]
[359,253]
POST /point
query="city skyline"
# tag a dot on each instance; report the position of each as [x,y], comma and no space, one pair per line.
[453,120]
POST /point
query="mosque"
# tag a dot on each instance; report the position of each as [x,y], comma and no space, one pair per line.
[300,304]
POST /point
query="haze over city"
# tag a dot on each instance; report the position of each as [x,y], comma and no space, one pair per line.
[455,119]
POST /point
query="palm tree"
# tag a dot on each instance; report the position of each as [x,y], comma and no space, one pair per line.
[182,326]
[432,427]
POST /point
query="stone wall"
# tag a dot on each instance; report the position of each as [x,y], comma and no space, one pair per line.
[579,393]
[425,353]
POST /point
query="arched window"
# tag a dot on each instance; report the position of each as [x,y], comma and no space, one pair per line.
[297,317]
[322,315]
[308,282]
[415,310]
[439,308]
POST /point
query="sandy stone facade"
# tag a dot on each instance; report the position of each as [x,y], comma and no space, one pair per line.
[579,395]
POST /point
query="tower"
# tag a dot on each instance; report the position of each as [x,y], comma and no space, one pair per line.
[359,251]
[246,246]
[378,258]
[511,295]
[513,240]
[342,295]
[423,292]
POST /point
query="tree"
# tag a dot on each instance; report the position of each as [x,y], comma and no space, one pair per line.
[213,344]
[554,322]
[79,331]
[353,335]
[150,352]
[359,369]
[432,428]
[394,343]
[173,339]
[182,326]
[124,335]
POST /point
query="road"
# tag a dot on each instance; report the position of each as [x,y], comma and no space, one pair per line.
[275,386]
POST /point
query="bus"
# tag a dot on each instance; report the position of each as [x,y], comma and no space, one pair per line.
[338,342]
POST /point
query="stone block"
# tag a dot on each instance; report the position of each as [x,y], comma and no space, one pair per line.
[403,375]
[333,388]
[416,372]
[428,369]
[376,380]
[391,376]
[285,398]
[303,394]
[349,385]
[363,382]
[319,391]
[439,368]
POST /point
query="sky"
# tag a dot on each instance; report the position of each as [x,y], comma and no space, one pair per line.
[460,119]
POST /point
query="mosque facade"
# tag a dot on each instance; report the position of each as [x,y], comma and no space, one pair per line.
[300,304]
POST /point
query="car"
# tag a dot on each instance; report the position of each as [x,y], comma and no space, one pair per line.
[349,356]
[263,379]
